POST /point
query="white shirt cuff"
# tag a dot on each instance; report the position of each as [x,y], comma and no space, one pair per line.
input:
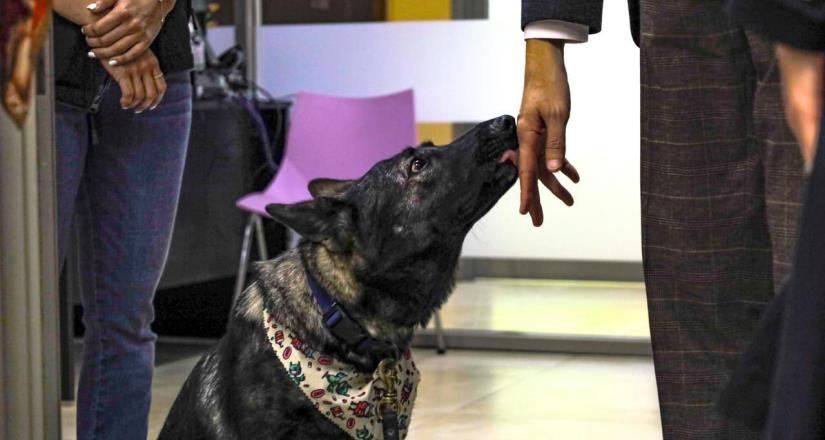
[557,30]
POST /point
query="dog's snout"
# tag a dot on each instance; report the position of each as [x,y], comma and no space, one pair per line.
[503,124]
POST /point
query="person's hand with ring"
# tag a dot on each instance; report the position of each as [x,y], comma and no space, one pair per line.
[141,82]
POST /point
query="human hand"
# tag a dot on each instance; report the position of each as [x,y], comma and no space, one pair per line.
[802,90]
[141,82]
[545,109]
[125,29]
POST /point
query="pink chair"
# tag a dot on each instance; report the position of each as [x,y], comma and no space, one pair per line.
[330,137]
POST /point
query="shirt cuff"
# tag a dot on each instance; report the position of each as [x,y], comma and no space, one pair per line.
[557,30]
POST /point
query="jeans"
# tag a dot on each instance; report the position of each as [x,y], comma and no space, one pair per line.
[120,172]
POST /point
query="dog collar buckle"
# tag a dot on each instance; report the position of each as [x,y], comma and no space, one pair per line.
[343,327]
[339,323]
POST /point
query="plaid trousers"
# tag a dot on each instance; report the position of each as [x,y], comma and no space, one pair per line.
[721,178]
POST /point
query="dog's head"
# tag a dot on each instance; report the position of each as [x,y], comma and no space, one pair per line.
[403,223]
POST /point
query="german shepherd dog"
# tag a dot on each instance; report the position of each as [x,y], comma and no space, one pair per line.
[385,247]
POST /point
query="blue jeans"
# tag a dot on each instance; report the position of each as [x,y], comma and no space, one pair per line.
[121,173]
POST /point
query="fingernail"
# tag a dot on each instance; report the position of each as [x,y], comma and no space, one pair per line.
[553,164]
[137,112]
[91,55]
[113,62]
[91,6]
[83,31]
[153,107]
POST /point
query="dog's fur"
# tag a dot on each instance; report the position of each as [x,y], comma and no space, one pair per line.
[384,246]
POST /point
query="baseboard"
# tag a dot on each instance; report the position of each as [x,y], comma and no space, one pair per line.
[542,343]
[471,267]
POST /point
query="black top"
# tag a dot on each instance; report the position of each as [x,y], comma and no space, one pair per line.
[799,23]
[779,385]
[586,12]
[78,78]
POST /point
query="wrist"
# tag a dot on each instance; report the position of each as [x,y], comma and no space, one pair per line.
[544,60]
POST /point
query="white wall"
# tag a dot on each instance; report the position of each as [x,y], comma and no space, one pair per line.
[471,71]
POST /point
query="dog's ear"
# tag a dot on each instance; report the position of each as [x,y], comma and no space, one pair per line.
[323,220]
[332,188]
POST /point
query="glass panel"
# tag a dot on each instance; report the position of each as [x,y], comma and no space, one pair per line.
[553,307]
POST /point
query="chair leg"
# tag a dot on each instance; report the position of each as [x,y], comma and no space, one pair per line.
[243,266]
[263,254]
[441,345]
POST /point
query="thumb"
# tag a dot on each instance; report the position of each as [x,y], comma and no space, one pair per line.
[101,6]
[555,145]
[529,139]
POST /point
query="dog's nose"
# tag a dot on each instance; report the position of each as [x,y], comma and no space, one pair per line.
[503,124]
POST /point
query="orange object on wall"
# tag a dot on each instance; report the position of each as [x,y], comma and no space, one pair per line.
[23,25]
[399,10]
[437,133]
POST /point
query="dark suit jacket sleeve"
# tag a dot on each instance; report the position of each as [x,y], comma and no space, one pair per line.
[586,12]
[799,23]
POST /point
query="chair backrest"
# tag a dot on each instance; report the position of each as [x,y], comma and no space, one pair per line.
[340,138]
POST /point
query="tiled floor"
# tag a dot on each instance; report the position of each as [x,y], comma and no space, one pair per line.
[483,395]
[511,396]
[499,396]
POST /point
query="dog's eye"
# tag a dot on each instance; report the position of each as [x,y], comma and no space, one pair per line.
[417,165]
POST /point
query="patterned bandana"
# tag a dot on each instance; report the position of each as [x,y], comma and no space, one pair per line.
[346,397]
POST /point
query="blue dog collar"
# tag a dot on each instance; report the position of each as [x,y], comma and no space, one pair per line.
[339,323]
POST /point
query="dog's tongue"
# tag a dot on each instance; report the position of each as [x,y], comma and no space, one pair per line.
[509,156]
